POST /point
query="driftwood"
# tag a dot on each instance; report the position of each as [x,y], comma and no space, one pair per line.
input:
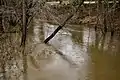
[62,25]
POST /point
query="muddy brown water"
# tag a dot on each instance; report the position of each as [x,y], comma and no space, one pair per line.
[85,54]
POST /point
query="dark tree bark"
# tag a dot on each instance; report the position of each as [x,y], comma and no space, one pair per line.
[99,5]
[105,22]
[23,41]
[60,1]
[61,26]
[1,26]
[24,25]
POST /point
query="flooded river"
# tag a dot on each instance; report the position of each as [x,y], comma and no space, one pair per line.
[75,53]
[86,55]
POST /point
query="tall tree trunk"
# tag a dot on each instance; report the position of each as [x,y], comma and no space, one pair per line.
[99,9]
[1,26]
[23,41]
[99,5]
[119,3]
[60,1]
[24,25]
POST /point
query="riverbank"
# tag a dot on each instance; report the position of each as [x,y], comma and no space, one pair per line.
[58,13]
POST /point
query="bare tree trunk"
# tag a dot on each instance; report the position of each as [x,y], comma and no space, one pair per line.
[119,3]
[1,26]
[24,25]
[60,1]
[23,41]
[100,4]
[103,42]
[112,27]
[105,22]
[99,9]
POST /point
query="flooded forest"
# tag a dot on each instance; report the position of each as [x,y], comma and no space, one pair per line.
[59,39]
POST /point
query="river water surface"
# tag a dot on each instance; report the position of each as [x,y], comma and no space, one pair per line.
[86,55]
[75,53]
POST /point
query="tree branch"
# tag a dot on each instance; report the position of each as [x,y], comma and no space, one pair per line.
[62,25]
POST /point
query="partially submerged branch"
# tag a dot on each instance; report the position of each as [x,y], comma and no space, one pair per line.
[63,24]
